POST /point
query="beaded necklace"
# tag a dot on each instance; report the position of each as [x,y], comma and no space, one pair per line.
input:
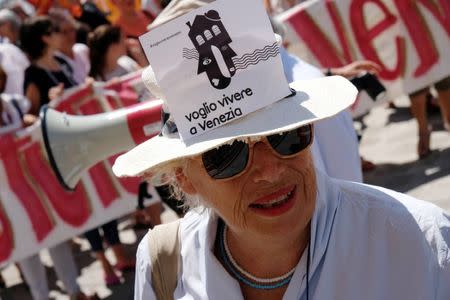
[249,279]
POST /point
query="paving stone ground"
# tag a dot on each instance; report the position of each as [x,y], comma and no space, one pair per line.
[389,140]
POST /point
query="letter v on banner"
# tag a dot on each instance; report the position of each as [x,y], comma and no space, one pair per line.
[318,42]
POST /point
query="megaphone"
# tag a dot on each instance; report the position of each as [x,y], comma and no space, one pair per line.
[76,143]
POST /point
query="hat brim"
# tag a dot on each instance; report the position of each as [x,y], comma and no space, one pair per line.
[315,99]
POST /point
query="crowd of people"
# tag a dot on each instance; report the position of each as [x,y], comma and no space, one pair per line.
[48,48]
[42,54]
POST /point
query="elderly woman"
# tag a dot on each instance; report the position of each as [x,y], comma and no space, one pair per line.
[275,227]
[266,224]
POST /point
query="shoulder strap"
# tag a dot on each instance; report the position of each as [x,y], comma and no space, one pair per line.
[164,246]
[16,105]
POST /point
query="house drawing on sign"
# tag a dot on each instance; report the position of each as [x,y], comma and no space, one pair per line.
[212,42]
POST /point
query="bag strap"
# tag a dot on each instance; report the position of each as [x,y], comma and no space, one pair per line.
[16,105]
[164,247]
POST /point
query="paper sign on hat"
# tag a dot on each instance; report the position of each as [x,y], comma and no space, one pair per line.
[215,66]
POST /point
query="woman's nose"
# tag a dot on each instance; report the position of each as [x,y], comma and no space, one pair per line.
[266,166]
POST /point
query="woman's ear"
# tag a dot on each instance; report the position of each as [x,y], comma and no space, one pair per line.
[184,183]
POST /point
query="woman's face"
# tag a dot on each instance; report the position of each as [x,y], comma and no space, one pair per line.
[54,39]
[118,49]
[69,34]
[243,201]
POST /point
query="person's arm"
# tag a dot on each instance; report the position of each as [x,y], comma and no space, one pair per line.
[29,119]
[56,91]
[33,94]
[268,6]
[354,69]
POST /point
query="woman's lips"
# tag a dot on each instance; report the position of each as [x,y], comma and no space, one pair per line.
[276,203]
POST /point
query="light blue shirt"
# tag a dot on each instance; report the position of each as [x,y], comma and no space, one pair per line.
[367,243]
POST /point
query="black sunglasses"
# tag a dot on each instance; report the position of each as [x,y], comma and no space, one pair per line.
[230,160]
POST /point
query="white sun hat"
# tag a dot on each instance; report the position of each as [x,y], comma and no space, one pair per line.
[310,101]
[314,100]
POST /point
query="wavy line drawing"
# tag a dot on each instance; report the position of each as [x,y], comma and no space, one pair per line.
[267,48]
[257,56]
[271,53]
[191,57]
[245,60]
[190,53]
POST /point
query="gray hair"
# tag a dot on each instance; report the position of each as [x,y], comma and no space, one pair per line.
[166,174]
[8,16]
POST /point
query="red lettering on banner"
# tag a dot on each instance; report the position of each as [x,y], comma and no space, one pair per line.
[364,37]
[6,236]
[337,22]
[317,41]
[21,186]
[440,11]
[100,176]
[72,207]
[419,31]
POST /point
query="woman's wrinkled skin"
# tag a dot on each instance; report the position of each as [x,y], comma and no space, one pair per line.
[278,241]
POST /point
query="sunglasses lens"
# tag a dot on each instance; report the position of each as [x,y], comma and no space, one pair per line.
[291,142]
[227,160]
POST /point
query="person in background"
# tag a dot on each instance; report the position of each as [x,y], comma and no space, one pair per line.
[75,54]
[22,8]
[9,26]
[107,52]
[91,15]
[12,59]
[339,128]
[45,77]
[41,39]
[419,111]
[13,109]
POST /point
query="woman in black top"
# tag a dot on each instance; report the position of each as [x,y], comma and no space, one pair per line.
[40,38]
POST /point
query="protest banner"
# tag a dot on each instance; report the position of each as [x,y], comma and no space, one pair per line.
[408,38]
[35,211]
